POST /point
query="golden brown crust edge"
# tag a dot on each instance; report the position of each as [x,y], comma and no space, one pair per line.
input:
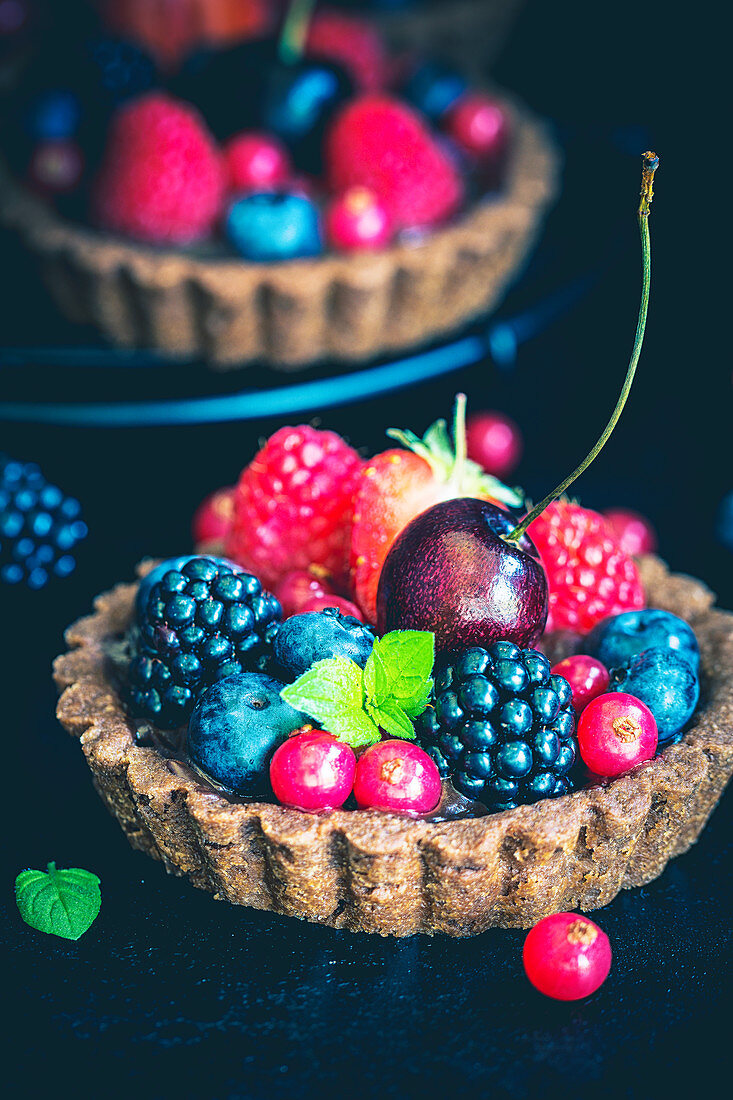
[351,307]
[372,872]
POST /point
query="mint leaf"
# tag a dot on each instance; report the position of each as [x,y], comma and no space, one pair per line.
[60,903]
[416,704]
[332,693]
[393,720]
[407,657]
[376,680]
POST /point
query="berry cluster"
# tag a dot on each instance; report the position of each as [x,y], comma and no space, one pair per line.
[39,526]
[197,624]
[502,726]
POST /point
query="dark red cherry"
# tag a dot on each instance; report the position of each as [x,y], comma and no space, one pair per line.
[453,572]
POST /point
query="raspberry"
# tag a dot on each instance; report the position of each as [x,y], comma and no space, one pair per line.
[379,143]
[588,573]
[162,178]
[353,43]
[293,506]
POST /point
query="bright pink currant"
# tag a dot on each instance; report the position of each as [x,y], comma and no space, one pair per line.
[313,771]
[357,220]
[495,442]
[615,733]
[346,607]
[255,162]
[634,531]
[567,956]
[397,777]
[588,678]
[56,167]
[213,518]
[479,125]
[299,588]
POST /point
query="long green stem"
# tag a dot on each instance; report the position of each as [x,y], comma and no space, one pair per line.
[651,163]
[295,30]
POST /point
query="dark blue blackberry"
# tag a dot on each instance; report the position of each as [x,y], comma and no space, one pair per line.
[198,624]
[39,526]
[501,726]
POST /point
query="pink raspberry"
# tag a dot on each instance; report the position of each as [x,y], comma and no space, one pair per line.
[293,506]
[162,178]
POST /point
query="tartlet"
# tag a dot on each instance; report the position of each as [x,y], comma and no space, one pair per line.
[374,872]
[346,307]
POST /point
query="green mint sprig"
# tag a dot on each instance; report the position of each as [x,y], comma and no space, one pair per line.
[355,704]
[60,903]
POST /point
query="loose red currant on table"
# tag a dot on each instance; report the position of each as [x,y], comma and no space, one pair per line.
[479,125]
[397,776]
[256,161]
[213,517]
[358,219]
[312,771]
[633,531]
[587,677]
[567,956]
[615,733]
[298,588]
[346,607]
[494,441]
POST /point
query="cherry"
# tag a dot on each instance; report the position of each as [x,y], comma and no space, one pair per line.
[312,771]
[346,607]
[56,167]
[299,588]
[634,531]
[398,777]
[358,220]
[495,442]
[587,677]
[567,956]
[256,162]
[615,733]
[478,125]
[213,517]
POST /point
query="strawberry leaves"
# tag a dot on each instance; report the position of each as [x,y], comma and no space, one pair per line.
[354,704]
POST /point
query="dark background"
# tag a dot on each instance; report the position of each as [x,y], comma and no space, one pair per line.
[173,994]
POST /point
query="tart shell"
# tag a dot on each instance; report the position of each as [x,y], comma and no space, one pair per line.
[229,312]
[375,872]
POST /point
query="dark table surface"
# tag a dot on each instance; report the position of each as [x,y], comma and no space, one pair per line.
[173,994]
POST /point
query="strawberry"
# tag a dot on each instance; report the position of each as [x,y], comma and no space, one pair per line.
[293,506]
[351,42]
[378,142]
[589,575]
[398,485]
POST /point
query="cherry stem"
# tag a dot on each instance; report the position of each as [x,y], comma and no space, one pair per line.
[650,165]
[459,436]
[295,31]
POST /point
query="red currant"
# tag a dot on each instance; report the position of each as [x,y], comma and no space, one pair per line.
[494,441]
[213,518]
[298,588]
[587,677]
[255,162]
[397,776]
[56,167]
[358,220]
[615,733]
[634,531]
[312,771]
[346,607]
[567,956]
[479,125]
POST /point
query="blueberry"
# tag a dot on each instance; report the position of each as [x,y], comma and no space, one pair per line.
[299,102]
[304,639]
[236,726]
[274,226]
[664,681]
[619,638]
[433,88]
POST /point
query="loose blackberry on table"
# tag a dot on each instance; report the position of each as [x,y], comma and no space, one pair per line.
[501,726]
[198,624]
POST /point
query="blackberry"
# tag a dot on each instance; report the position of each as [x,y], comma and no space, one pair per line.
[198,624]
[501,726]
[39,526]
